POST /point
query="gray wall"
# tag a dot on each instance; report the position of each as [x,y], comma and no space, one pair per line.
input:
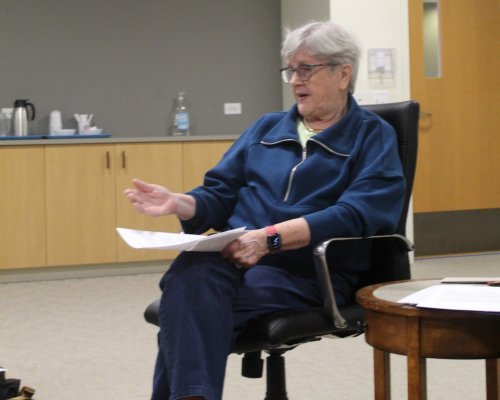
[125,60]
[295,13]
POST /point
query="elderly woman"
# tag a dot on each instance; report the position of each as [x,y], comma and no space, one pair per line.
[326,168]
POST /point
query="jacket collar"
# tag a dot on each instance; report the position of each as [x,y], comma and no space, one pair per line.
[340,137]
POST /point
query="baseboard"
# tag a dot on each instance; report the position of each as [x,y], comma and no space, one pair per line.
[82,271]
[453,232]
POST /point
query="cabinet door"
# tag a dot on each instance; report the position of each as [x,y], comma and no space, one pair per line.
[22,211]
[159,163]
[198,158]
[80,185]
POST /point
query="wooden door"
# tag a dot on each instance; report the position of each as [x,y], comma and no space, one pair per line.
[80,185]
[22,210]
[159,163]
[458,164]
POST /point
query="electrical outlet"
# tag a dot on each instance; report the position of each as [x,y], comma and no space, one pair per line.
[232,108]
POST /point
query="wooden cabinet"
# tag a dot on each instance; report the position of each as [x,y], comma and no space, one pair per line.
[22,210]
[159,163]
[80,186]
[61,203]
[199,157]
[85,185]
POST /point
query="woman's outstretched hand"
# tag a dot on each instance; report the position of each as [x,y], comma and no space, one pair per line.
[155,200]
[150,199]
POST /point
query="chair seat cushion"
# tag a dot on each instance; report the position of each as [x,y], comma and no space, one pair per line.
[285,328]
[289,328]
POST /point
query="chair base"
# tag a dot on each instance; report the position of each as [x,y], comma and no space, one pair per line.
[275,376]
[252,367]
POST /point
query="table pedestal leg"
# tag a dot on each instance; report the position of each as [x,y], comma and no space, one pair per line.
[493,379]
[382,374]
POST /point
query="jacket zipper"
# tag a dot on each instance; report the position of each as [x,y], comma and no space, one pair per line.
[304,156]
[292,173]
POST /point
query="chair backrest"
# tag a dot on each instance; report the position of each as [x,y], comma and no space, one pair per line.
[403,117]
[389,259]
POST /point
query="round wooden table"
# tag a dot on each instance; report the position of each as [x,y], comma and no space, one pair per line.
[419,334]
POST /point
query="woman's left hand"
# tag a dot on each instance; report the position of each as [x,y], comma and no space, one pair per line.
[247,250]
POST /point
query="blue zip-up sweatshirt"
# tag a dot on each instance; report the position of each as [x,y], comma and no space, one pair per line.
[347,181]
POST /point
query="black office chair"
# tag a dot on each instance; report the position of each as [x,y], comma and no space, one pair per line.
[281,331]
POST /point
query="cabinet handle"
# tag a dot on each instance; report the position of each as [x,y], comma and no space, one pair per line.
[108,160]
[124,160]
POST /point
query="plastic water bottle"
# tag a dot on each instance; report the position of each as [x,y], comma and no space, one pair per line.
[180,126]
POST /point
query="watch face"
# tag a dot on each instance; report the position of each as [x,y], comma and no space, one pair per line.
[274,241]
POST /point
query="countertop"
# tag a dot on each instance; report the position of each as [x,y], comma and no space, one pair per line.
[116,139]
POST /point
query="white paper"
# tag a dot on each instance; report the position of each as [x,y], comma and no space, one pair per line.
[469,279]
[418,296]
[468,297]
[178,241]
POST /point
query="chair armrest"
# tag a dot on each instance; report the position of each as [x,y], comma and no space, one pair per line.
[323,274]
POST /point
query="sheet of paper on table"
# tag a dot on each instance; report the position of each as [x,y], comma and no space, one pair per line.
[468,297]
[178,241]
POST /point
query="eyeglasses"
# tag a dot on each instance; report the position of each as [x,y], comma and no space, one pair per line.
[304,71]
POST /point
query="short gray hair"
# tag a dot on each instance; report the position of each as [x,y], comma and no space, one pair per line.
[329,41]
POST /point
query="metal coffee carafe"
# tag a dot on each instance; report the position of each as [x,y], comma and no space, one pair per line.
[24,111]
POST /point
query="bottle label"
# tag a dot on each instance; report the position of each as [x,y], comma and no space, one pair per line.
[182,120]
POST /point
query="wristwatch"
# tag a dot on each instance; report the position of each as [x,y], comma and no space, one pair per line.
[273,239]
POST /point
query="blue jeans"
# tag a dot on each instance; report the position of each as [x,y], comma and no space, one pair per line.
[205,303]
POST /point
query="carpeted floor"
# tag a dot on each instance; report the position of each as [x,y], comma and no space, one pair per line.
[85,339]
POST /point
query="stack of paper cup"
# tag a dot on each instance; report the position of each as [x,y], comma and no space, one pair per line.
[55,122]
[5,120]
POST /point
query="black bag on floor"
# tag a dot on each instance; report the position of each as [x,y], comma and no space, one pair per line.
[9,389]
